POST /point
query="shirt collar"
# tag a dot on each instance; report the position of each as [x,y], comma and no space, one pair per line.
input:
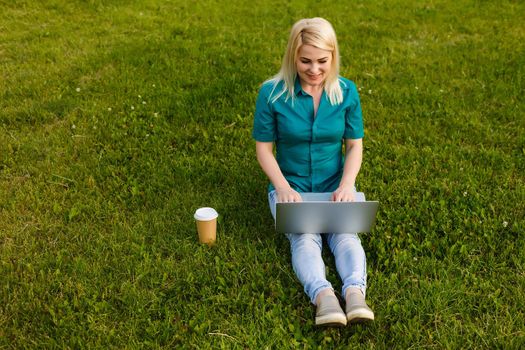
[298,89]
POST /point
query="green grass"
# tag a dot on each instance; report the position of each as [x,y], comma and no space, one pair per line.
[119,118]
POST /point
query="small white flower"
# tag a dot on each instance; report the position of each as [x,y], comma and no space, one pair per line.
[132,108]
[505,224]
[109,109]
[415,258]
[417,88]
[94,127]
[359,89]
[73,126]
[143,102]
[147,135]
[77,89]
[465,194]
[156,114]
[140,96]
[369,91]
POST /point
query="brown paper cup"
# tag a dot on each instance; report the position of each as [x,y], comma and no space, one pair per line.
[206,219]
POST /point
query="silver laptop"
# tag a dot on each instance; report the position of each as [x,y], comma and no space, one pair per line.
[318,214]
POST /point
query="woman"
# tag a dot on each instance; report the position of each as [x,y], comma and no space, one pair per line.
[309,112]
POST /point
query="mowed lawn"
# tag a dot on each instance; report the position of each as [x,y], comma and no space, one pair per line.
[118,119]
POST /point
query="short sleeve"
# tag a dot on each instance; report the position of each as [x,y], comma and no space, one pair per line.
[353,116]
[264,123]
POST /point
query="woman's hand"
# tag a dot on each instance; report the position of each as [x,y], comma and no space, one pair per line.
[288,194]
[343,194]
[285,193]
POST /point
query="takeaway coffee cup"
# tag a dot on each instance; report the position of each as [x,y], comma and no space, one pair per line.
[206,219]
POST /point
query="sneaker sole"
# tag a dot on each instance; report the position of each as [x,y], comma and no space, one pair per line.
[331,320]
[359,316]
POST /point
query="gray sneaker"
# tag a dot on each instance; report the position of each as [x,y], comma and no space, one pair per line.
[329,312]
[356,309]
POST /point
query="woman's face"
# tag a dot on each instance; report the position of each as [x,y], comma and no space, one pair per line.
[313,65]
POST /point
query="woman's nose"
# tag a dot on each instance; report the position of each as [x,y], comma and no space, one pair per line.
[315,68]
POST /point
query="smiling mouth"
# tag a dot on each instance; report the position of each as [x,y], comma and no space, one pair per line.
[314,77]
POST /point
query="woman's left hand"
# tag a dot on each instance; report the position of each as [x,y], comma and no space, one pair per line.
[343,194]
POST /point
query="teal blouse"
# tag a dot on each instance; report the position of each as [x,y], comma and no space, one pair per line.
[308,149]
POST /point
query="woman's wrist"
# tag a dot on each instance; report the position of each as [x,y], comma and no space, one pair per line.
[283,188]
[346,185]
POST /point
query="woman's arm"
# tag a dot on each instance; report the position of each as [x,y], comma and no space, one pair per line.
[270,167]
[353,159]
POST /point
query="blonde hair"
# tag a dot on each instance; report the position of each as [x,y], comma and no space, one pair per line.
[316,32]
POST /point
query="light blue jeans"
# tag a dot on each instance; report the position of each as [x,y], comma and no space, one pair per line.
[308,264]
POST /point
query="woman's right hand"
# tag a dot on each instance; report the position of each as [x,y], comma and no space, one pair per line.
[288,194]
[285,193]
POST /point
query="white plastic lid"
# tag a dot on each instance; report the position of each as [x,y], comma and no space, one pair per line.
[205,214]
